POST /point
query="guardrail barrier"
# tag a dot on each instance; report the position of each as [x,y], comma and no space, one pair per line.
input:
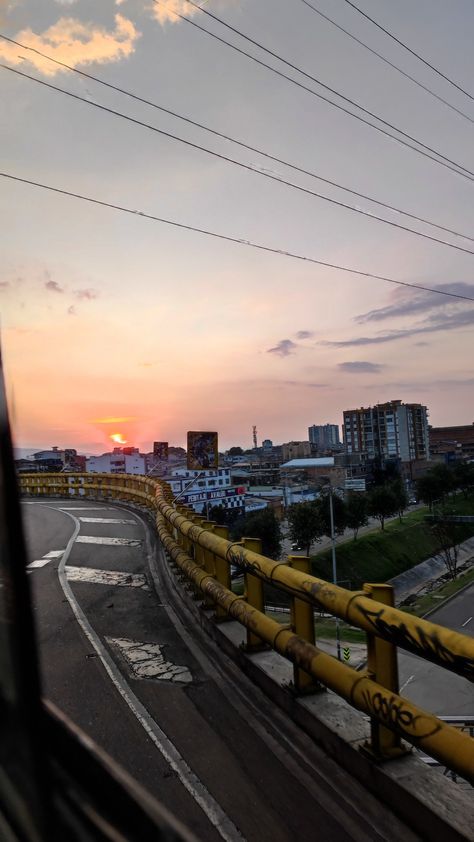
[204,554]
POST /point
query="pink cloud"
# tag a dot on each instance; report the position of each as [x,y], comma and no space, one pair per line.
[75,43]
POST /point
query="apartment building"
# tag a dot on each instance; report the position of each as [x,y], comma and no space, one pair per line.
[391,430]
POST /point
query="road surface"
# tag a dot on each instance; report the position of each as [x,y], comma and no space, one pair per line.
[198,736]
[433,687]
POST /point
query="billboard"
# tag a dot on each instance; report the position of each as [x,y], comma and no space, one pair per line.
[202,451]
[160,450]
[355,484]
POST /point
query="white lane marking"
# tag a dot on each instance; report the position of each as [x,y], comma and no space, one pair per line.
[467,621]
[105,520]
[39,563]
[54,554]
[210,807]
[146,660]
[407,682]
[82,508]
[111,542]
[106,577]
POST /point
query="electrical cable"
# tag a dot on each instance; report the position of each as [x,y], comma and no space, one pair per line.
[406,47]
[235,141]
[387,61]
[233,161]
[322,84]
[317,95]
[231,239]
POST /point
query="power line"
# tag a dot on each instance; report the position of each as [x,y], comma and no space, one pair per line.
[387,61]
[409,50]
[233,161]
[462,171]
[231,239]
[321,84]
[236,142]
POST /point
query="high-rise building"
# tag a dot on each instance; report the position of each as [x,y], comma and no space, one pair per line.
[392,430]
[324,436]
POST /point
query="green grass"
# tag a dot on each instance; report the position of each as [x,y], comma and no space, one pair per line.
[378,556]
[431,600]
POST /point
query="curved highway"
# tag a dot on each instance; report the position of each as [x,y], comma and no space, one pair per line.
[195,732]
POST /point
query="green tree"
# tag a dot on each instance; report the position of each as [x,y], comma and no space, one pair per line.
[382,503]
[463,477]
[306,525]
[446,534]
[401,495]
[338,510]
[219,515]
[356,512]
[264,525]
[435,485]
[235,451]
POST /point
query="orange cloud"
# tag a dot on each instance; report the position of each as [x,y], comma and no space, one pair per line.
[113,420]
[73,42]
[166,11]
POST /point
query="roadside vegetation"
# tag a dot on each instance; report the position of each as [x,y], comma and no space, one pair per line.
[379,556]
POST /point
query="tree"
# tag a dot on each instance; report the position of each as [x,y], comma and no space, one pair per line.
[435,484]
[428,489]
[463,476]
[235,451]
[382,503]
[219,515]
[338,510]
[264,525]
[446,535]
[401,496]
[305,523]
[356,512]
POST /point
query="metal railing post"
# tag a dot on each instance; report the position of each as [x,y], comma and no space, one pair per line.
[382,667]
[302,623]
[254,596]
[222,573]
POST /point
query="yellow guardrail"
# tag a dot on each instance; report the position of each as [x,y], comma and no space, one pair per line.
[203,552]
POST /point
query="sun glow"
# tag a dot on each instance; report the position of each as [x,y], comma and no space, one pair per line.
[118,438]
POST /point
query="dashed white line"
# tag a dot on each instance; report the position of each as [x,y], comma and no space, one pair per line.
[111,542]
[82,508]
[407,682]
[106,577]
[467,621]
[39,563]
[105,520]
[54,554]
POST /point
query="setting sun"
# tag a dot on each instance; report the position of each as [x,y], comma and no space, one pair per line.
[118,438]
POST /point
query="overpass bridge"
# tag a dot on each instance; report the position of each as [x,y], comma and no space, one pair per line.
[359,717]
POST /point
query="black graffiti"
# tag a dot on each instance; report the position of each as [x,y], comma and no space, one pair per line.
[390,711]
[421,642]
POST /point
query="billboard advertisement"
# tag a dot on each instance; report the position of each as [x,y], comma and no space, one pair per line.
[203,454]
[160,449]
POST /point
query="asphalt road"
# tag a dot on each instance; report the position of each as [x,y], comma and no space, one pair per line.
[433,687]
[198,736]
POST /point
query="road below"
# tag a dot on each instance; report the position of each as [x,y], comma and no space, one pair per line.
[196,734]
[431,686]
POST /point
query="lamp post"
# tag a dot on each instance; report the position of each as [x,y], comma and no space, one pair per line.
[334,567]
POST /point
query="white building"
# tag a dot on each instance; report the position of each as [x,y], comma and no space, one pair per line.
[117,462]
[203,489]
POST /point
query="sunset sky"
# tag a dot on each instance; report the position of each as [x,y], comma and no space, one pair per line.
[114,323]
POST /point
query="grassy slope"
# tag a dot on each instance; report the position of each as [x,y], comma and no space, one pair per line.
[379,555]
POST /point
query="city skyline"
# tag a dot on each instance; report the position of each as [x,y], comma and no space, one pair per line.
[107,315]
